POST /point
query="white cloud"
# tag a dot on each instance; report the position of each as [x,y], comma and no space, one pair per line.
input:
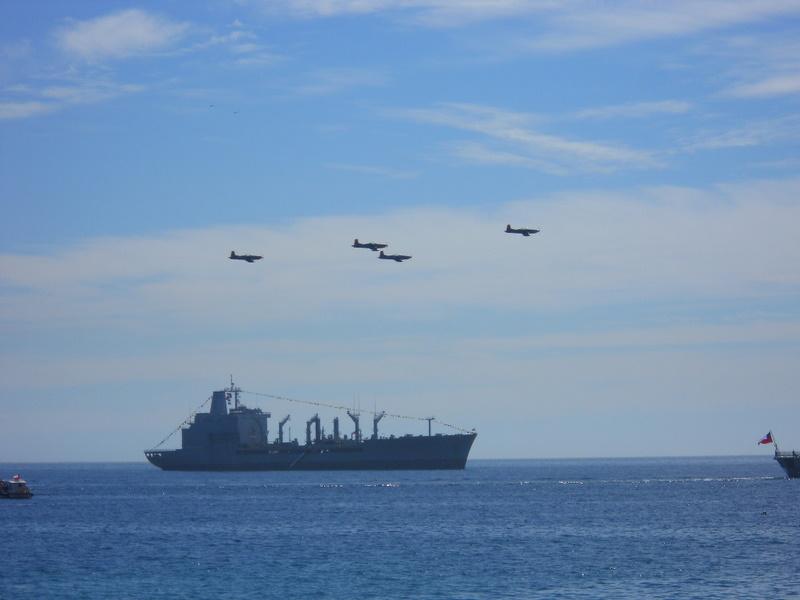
[787,163]
[89,92]
[565,25]
[332,81]
[120,35]
[525,145]
[777,85]
[25,109]
[600,248]
[435,13]
[584,25]
[475,152]
[755,133]
[759,65]
[635,110]
[650,337]
[245,48]
[52,98]
[372,170]
[243,45]
[258,59]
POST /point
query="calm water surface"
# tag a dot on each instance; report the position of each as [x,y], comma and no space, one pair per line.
[622,528]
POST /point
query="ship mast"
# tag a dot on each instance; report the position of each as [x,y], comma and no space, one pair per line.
[235,391]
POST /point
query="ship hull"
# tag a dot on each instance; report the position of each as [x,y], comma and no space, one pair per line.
[405,453]
[790,462]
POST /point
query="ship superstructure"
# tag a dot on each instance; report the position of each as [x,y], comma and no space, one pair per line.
[239,438]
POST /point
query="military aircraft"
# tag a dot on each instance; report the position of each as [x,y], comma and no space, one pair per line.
[371,245]
[522,230]
[248,257]
[394,257]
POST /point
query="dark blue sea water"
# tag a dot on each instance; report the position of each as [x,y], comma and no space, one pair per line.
[622,528]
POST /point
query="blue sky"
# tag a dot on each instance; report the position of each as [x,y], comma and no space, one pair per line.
[654,144]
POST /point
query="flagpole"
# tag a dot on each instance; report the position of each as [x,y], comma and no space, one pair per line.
[774,442]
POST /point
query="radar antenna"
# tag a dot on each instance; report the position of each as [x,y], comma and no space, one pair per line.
[235,391]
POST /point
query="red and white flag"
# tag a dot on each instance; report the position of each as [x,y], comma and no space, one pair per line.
[767,439]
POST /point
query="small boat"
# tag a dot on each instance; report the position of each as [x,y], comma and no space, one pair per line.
[16,487]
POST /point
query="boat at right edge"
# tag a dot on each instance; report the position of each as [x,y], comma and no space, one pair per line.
[789,461]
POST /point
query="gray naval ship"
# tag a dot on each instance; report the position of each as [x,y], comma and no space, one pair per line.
[237,439]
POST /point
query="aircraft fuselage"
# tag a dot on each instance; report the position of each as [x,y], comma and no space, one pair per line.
[247,257]
[394,257]
[521,230]
[374,246]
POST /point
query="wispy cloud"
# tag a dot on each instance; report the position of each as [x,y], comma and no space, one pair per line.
[560,26]
[594,248]
[258,58]
[792,164]
[120,35]
[51,98]
[755,133]
[44,88]
[477,153]
[332,81]
[524,144]
[89,92]
[236,37]
[777,85]
[756,65]
[372,170]
[635,110]
[244,46]
[25,109]
[585,25]
[433,13]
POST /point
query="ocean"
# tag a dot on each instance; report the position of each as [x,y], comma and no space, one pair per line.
[723,527]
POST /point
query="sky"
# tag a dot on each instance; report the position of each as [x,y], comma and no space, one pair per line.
[655,145]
